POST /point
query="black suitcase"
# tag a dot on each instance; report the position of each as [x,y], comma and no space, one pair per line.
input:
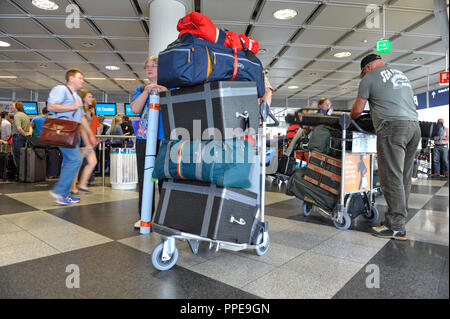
[286,165]
[216,105]
[54,162]
[7,166]
[207,210]
[33,165]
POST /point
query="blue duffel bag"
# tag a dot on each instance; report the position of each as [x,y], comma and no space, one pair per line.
[191,60]
[226,163]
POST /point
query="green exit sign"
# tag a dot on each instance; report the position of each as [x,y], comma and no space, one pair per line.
[383,46]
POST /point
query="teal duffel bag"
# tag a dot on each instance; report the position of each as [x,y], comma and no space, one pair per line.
[225,163]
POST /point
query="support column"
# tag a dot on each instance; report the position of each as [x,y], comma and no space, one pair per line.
[164,16]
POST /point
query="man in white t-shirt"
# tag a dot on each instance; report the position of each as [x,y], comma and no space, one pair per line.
[5,133]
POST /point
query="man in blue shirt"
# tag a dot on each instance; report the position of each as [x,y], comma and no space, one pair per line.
[64,101]
[139,105]
[38,122]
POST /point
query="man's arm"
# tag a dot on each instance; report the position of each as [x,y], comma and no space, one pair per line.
[138,104]
[358,107]
[63,108]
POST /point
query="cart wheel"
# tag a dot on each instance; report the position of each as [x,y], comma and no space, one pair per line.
[307,208]
[157,261]
[262,250]
[373,215]
[346,222]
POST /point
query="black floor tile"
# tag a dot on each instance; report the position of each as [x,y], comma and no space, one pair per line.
[408,269]
[12,188]
[108,271]
[438,203]
[9,205]
[114,220]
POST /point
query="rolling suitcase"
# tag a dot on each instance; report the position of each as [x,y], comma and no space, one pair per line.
[33,165]
[207,210]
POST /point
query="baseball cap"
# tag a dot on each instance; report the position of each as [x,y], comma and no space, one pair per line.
[367,59]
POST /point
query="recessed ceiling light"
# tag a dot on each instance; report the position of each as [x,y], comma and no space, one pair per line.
[417,59]
[313,74]
[44,66]
[262,51]
[45,4]
[292,87]
[124,79]
[343,54]
[365,41]
[4,44]
[8,77]
[285,14]
[112,67]
[95,78]
[88,44]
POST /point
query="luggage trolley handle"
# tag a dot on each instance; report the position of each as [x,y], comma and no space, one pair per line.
[265,111]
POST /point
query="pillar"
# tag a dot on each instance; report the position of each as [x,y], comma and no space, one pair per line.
[164,16]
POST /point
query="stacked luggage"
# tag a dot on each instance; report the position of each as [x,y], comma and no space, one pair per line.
[210,191]
[209,161]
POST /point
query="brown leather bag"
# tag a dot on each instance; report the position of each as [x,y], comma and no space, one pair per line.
[59,132]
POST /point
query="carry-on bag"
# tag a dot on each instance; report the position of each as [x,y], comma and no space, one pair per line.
[207,210]
[224,163]
[33,165]
[190,60]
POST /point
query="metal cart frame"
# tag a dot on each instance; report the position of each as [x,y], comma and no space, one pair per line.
[165,255]
[341,219]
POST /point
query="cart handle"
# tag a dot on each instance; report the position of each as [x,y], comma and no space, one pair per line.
[264,111]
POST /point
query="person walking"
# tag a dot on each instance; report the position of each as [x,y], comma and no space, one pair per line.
[21,128]
[440,151]
[86,153]
[396,122]
[64,101]
[139,105]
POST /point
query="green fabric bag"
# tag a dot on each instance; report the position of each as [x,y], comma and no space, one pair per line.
[225,163]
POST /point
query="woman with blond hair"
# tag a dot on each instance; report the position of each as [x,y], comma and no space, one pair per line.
[139,105]
[87,152]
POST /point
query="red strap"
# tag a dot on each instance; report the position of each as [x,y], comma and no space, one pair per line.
[235,65]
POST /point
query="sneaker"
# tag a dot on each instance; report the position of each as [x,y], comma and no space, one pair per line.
[389,233]
[138,224]
[60,200]
[379,228]
[73,200]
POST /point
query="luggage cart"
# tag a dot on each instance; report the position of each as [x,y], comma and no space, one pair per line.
[340,215]
[165,255]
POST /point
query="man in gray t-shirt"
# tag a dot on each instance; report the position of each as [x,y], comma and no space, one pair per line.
[396,123]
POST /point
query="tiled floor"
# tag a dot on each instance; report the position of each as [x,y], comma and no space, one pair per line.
[308,257]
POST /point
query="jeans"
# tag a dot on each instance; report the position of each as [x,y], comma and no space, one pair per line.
[18,143]
[397,144]
[440,152]
[70,165]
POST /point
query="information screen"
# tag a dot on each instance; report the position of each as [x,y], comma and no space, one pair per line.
[128,110]
[31,108]
[107,109]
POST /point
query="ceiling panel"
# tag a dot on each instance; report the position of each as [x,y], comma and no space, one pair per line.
[7,8]
[22,56]
[21,26]
[51,44]
[58,26]
[121,28]
[115,8]
[397,20]
[130,45]
[427,4]
[230,10]
[322,37]
[336,16]
[285,62]
[309,53]
[280,35]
